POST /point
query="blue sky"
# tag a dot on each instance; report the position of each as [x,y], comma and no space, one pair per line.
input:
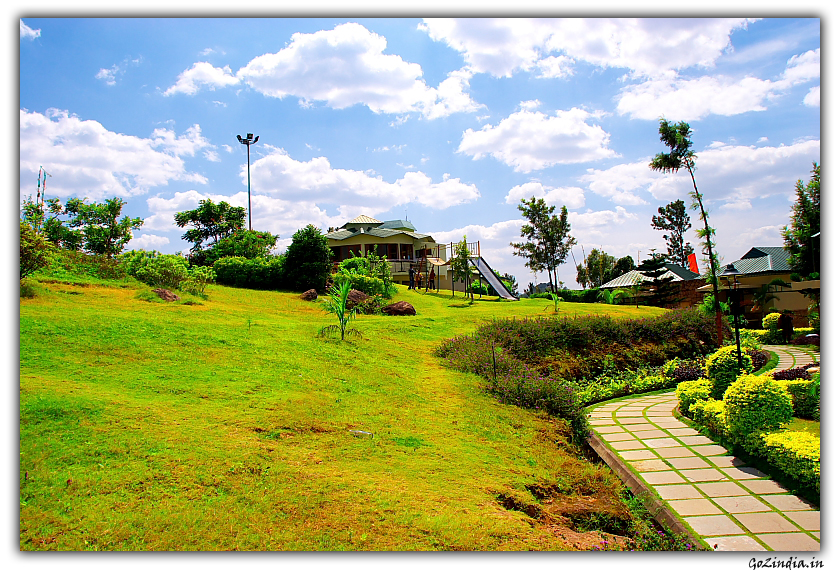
[448,122]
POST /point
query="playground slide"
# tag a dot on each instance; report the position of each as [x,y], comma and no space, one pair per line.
[492,278]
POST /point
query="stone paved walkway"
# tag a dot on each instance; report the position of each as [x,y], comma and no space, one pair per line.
[730,506]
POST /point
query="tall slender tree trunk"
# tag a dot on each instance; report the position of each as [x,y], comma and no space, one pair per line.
[718,318]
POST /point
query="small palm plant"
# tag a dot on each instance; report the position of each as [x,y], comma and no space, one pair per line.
[336,304]
[611,297]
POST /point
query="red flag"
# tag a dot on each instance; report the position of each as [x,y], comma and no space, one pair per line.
[692,263]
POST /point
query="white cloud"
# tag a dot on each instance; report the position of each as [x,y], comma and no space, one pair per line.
[28,33]
[212,156]
[529,140]
[109,76]
[202,74]
[727,174]
[554,67]
[347,66]
[692,99]
[316,181]
[86,159]
[648,47]
[812,99]
[571,197]
[147,241]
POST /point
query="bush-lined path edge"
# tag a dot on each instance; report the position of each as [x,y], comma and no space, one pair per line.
[692,485]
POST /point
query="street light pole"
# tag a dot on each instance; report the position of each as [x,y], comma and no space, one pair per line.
[248,141]
[731,273]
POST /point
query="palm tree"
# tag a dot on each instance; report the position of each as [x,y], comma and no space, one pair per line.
[336,303]
[611,297]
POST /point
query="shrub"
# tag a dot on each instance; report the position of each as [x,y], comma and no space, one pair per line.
[799,373]
[198,280]
[365,283]
[257,273]
[756,404]
[806,401]
[795,453]
[710,413]
[753,336]
[759,359]
[308,261]
[693,391]
[722,369]
[156,269]
[770,323]
[35,251]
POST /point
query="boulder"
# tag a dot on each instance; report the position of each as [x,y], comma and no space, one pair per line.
[354,297]
[310,295]
[399,308]
[166,294]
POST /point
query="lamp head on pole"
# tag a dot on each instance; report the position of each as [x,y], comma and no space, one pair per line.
[248,140]
[731,273]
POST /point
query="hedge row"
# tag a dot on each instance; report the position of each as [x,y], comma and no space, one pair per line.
[795,453]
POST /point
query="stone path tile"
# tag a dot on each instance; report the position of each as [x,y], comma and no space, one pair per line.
[809,520]
[714,525]
[725,489]
[625,414]
[789,541]
[639,454]
[787,502]
[746,504]
[608,429]
[660,414]
[669,452]
[735,544]
[662,477]
[650,433]
[707,450]
[678,492]
[625,445]
[688,462]
[687,507]
[649,465]
[764,522]
[696,440]
[702,475]
[763,486]
[631,421]
[618,436]
[602,422]
[640,427]
[661,442]
[725,461]
[683,431]
[743,472]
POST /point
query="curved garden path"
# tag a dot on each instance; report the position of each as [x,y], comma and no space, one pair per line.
[689,482]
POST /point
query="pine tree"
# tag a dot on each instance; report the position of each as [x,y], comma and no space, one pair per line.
[674,219]
[800,240]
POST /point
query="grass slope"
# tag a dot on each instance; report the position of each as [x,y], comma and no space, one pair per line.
[225,426]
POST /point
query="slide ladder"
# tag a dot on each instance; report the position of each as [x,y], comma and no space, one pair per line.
[490,276]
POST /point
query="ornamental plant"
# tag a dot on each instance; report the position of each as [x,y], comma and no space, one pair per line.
[770,323]
[755,404]
[693,391]
[336,303]
[722,369]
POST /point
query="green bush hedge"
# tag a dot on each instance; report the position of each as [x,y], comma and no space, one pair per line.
[257,273]
[693,391]
[710,413]
[795,453]
[166,270]
[770,323]
[722,369]
[805,404]
[365,283]
[756,404]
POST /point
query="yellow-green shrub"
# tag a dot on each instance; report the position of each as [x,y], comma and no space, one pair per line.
[691,392]
[755,404]
[722,369]
[711,414]
[770,323]
[805,403]
[796,454]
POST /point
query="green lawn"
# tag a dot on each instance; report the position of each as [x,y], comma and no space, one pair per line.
[226,426]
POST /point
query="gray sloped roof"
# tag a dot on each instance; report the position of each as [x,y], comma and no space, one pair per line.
[362,219]
[630,278]
[763,260]
[398,225]
[375,232]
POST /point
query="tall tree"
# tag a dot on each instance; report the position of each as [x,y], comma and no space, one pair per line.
[596,269]
[800,242]
[210,222]
[677,137]
[548,242]
[308,261]
[461,265]
[675,220]
[663,291]
[105,233]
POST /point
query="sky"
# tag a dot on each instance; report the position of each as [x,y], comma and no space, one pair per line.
[447,122]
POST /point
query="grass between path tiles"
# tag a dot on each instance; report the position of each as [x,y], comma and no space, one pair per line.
[225,425]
